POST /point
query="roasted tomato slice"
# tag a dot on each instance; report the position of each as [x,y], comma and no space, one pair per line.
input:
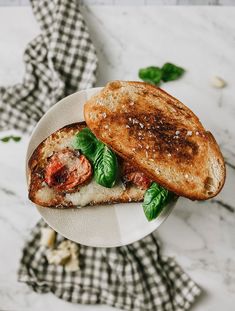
[66,170]
[132,174]
[139,179]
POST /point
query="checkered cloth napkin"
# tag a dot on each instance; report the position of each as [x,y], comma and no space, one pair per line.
[134,277]
[60,61]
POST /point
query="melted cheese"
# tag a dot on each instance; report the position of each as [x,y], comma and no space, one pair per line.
[45,194]
[94,192]
[91,193]
[54,145]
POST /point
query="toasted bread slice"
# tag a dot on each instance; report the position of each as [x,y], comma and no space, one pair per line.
[159,135]
[89,194]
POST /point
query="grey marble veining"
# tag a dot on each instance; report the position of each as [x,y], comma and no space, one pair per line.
[201,39]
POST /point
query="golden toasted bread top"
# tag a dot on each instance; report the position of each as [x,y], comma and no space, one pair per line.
[158,134]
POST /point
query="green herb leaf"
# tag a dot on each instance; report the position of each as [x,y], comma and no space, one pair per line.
[16,138]
[155,199]
[103,159]
[105,166]
[86,141]
[151,75]
[154,75]
[171,72]
[6,139]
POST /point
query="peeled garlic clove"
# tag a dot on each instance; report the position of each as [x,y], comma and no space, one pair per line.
[218,82]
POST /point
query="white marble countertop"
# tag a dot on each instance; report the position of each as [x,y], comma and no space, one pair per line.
[131,2]
[201,236]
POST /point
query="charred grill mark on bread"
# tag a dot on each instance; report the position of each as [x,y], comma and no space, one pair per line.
[171,139]
[158,134]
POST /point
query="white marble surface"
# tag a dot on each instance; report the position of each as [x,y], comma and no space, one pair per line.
[131,2]
[201,236]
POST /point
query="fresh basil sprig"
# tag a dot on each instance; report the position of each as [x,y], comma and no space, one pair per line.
[86,141]
[103,159]
[154,75]
[171,72]
[105,166]
[6,139]
[155,199]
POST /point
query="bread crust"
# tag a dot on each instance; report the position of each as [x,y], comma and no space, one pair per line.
[160,135]
[54,199]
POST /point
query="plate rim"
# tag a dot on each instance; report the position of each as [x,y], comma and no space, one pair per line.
[162,216]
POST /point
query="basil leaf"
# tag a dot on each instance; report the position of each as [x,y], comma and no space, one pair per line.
[86,141]
[155,198]
[11,137]
[154,75]
[151,75]
[103,159]
[16,138]
[105,166]
[6,139]
[171,72]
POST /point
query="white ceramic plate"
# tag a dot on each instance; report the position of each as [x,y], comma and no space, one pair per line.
[102,226]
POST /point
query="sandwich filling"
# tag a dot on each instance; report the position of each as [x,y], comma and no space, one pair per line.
[81,170]
[67,170]
[131,174]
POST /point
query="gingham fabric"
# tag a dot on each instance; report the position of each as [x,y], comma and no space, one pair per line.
[132,277]
[60,61]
